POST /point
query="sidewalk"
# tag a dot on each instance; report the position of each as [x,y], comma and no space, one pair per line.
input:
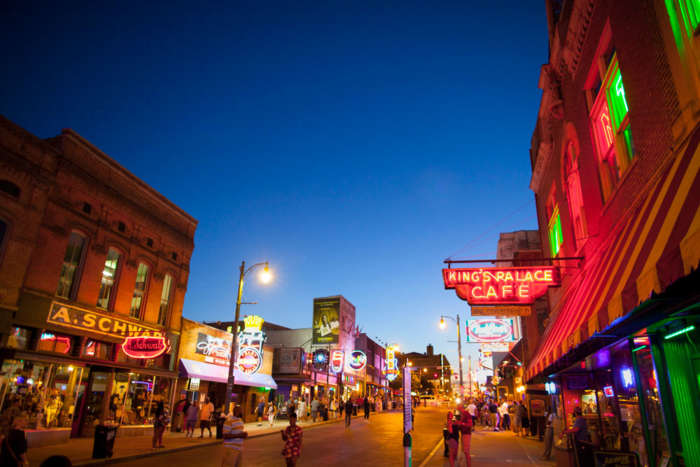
[79,450]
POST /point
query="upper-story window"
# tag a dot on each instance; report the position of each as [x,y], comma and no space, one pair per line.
[165,298]
[72,262]
[610,122]
[556,238]
[10,188]
[572,183]
[109,278]
[139,290]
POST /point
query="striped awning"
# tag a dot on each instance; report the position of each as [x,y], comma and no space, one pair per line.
[656,243]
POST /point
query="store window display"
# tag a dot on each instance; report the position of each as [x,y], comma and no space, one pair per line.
[135,396]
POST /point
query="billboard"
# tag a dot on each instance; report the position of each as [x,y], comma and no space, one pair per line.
[289,360]
[326,321]
[492,330]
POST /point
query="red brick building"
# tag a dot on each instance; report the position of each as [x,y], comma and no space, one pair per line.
[89,255]
[615,173]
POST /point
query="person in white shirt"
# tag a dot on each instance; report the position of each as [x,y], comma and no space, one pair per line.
[233,434]
[471,408]
[505,416]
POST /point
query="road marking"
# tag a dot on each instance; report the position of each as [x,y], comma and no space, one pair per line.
[432,453]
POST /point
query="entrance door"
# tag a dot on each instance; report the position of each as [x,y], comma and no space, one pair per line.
[94,400]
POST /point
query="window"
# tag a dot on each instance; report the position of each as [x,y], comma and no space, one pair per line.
[87,208]
[149,242]
[173,255]
[109,276]
[689,16]
[556,238]
[72,261]
[611,128]
[572,183]
[10,188]
[50,342]
[97,350]
[121,226]
[165,298]
[19,338]
[139,290]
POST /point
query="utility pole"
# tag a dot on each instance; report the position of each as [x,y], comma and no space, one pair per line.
[459,351]
[234,347]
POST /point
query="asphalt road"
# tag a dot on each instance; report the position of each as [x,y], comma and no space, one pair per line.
[377,442]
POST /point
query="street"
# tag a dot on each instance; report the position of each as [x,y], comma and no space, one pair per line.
[377,442]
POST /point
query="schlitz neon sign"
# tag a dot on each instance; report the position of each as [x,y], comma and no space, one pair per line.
[144,347]
[501,286]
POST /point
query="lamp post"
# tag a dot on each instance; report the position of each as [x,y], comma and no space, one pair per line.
[265,277]
[459,348]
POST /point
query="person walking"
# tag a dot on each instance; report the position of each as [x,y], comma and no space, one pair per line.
[517,422]
[271,413]
[301,410]
[453,431]
[366,407]
[493,411]
[291,407]
[505,416]
[205,412]
[260,411]
[13,449]
[315,404]
[524,421]
[233,435]
[548,434]
[466,427]
[159,423]
[292,437]
[471,408]
[191,414]
[348,412]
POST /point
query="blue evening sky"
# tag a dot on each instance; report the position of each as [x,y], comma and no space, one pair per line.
[353,144]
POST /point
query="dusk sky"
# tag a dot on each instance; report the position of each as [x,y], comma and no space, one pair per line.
[353,145]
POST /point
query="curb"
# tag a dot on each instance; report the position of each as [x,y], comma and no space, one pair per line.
[117,460]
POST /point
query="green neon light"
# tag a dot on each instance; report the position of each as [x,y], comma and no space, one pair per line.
[639,348]
[675,25]
[690,11]
[680,331]
[556,237]
[617,100]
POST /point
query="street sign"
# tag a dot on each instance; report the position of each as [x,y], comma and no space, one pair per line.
[407,402]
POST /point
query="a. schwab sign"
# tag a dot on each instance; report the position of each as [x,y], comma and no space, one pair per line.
[68,316]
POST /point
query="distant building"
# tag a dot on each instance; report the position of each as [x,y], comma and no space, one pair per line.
[434,367]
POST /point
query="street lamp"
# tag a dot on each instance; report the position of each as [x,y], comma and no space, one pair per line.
[459,347]
[265,277]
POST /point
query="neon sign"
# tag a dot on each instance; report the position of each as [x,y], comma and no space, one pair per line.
[144,347]
[250,345]
[491,330]
[501,286]
[337,358]
[357,360]
[392,364]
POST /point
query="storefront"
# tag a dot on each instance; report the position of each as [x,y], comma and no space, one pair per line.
[83,366]
[204,365]
[623,342]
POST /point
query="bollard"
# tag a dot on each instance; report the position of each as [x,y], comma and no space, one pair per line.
[407,449]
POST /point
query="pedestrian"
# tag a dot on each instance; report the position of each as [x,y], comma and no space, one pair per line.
[348,412]
[205,412]
[505,416]
[517,422]
[291,407]
[191,415]
[366,407]
[582,438]
[159,423]
[260,411]
[524,420]
[471,408]
[453,430]
[14,445]
[466,427]
[301,409]
[292,437]
[315,404]
[341,407]
[548,435]
[271,413]
[333,406]
[493,411]
[233,435]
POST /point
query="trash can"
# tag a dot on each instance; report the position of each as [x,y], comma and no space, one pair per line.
[103,445]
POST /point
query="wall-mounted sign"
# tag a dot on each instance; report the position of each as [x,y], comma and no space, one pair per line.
[216,349]
[326,321]
[357,360]
[94,322]
[501,286]
[337,359]
[501,310]
[495,346]
[250,345]
[321,359]
[144,347]
[492,330]
[289,360]
[392,364]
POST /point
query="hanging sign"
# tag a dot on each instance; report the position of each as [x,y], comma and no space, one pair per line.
[501,310]
[144,347]
[320,359]
[392,364]
[337,359]
[501,286]
[491,330]
[250,345]
[357,360]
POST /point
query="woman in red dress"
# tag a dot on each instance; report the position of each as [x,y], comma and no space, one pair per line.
[292,437]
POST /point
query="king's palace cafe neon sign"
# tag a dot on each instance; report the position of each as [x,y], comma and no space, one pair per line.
[501,286]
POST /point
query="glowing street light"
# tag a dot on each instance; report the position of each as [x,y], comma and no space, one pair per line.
[265,275]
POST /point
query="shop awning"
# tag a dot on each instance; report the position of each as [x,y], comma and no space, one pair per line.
[219,374]
[653,245]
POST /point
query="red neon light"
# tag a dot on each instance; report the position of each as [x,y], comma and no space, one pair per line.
[47,336]
[501,286]
[145,346]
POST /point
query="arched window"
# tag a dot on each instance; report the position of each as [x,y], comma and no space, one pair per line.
[572,185]
[109,279]
[165,299]
[10,188]
[139,290]
[72,263]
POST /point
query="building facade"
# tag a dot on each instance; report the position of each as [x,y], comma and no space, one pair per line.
[91,258]
[615,173]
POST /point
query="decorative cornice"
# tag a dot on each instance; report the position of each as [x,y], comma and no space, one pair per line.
[544,155]
[578,27]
